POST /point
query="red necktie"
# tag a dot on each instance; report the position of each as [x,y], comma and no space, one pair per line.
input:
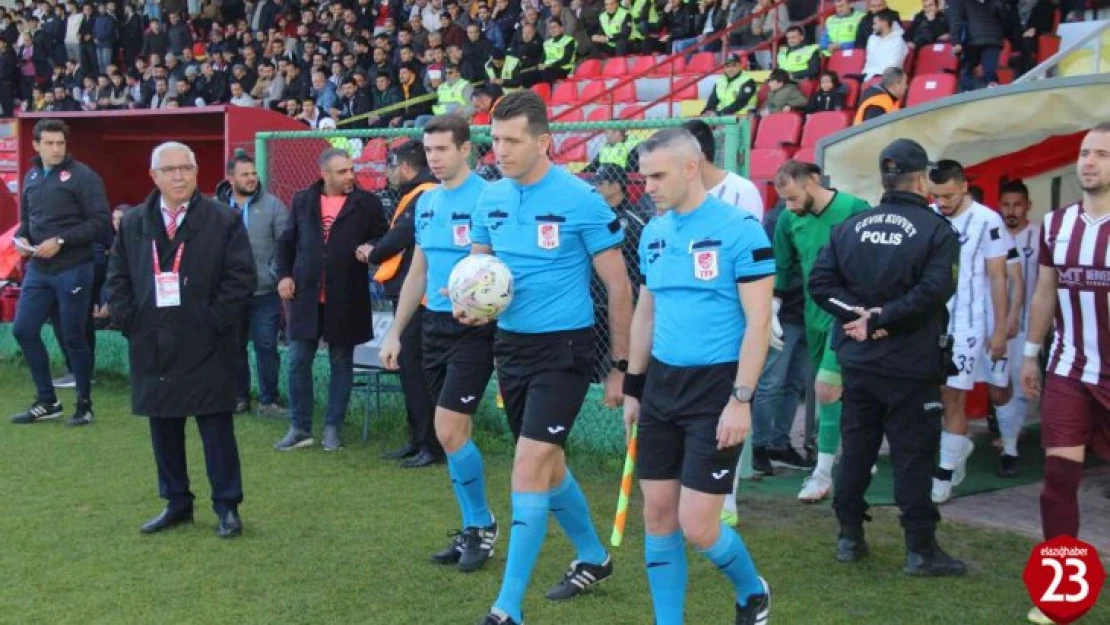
[171,225]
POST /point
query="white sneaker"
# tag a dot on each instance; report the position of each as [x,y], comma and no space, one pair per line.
[815,488]
[1036,616]
[942,491]
[960,472]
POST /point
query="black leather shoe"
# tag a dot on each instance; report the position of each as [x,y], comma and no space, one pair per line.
[408,451]
[421,460]
[167,519]
[851,549]
[933,564]
[230,525]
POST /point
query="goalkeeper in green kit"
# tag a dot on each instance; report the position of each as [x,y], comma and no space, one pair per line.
[812,213]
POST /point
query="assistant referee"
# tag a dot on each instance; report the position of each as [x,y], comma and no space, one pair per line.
[886,275]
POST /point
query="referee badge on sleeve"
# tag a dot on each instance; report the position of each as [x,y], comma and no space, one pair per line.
[705,264]
[547,235]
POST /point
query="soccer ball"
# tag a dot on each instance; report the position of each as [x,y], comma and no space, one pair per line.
[481,286]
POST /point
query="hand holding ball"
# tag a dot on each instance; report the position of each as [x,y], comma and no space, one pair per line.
[481,288]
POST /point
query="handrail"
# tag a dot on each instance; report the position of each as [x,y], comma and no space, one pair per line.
[1042,69]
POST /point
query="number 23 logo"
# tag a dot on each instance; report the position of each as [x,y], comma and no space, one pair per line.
[1079,578]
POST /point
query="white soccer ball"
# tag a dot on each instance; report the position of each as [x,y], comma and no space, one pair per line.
[481,286]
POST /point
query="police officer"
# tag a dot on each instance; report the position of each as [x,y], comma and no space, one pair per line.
[886,274]
[734,91]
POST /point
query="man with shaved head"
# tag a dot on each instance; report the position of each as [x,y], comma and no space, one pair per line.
[179,281]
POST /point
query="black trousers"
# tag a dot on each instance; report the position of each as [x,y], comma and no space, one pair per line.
[100,272]
[419,407]
[909,413]
[221,456]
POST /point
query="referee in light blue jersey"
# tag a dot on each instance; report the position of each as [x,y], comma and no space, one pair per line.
[457,359]
[549,227]
[699,338]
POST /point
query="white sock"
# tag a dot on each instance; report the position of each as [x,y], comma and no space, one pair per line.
[730,500]
[824,465]
[1011,418]
[950,446]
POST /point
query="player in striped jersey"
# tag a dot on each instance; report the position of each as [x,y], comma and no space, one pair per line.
[1073,289]
[1011,405]
[981,281]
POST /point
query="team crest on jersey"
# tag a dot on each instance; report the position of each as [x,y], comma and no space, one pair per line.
[64,176]
[705,264]
[460,234]
[547,235]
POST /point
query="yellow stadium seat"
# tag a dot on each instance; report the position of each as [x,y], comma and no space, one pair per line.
[691,108]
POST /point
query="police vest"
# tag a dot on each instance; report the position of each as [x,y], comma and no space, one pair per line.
[388,269]
[841,30]
[728,90]
[882,100]
[794,61]
[450,94]
[554,49]
[617,154]
[611,24]
[507,68]
[638,16]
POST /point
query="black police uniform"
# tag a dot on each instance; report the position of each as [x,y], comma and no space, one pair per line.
[900,257]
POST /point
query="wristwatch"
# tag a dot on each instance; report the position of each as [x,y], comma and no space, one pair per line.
[621,365]
[60,241]
[742,394]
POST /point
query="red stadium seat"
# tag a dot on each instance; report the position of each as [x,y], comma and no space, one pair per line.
[595,91]
[701,64]
[641,64]
[685,88]
[632,112]
[616,66]
[806,155]
[807,87]
[765,162]
[590,68]
[768,193]
[600,114]
[823,124]
[543,90]
[1007,52]
[871,82]
[852,87]
[565,92]
[571,150]
[779,130]
[625,93]
[677,65]
[1047,45]
[908,63]
[570,116]
[374,151]
[398,142]
[369,180]
[847,62]
[936,58]
[928,87]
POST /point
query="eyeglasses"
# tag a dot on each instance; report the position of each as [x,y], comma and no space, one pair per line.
[170,170]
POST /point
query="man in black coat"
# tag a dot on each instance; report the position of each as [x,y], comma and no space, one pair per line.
[323,275]
[179,279]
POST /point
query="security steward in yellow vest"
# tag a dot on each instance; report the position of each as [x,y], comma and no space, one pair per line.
[619,151]
[559,53]
[645,21]
[734,92]
[799,59]
[503,69]
[840,28]
[407,170]
[453,94]
[884,97]
[615,32]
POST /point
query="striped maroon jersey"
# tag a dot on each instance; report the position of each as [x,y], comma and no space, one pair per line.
[1076,246]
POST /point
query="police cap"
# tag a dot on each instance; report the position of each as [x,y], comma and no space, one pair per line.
[904,156]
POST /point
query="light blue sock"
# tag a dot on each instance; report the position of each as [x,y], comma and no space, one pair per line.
[525,541]
[568,504]
[468,478]
[731,556]
[665,557]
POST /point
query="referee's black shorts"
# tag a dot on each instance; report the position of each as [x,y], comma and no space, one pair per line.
[543,380]
[458,361]
[677,437]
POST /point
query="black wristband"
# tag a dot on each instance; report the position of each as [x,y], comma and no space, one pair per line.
[634,385]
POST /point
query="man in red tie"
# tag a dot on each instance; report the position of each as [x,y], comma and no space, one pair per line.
[179,281]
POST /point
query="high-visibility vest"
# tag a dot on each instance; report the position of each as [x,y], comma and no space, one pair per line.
[637,12]
[728,90]
[389,267]
[507,68]
[797,60]
[554,49]
[882,100]
[450,94]
[611,24]
[617,153]
[841,30]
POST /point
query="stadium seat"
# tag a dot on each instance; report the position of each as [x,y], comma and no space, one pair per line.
[706,85]
[823,124]
[768,193]
[632,112]
[625,93]
[570,148]
[616,66]
[600,114]
[779,130]
[374,151]
[936,58]
[569,116]
[590,68]
[690,108]
[1047,45]
[806,155]
[675,66]
[651,89]
[765,162]
[398,142]
[685,89]
[661,110]
[641,65]
[1007,52]
[595,91]
[807,87]
[565,92]
[871,82]
[852,87]
[908,63]
[543,90]
[701,63]
[847,62]
[928,87]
